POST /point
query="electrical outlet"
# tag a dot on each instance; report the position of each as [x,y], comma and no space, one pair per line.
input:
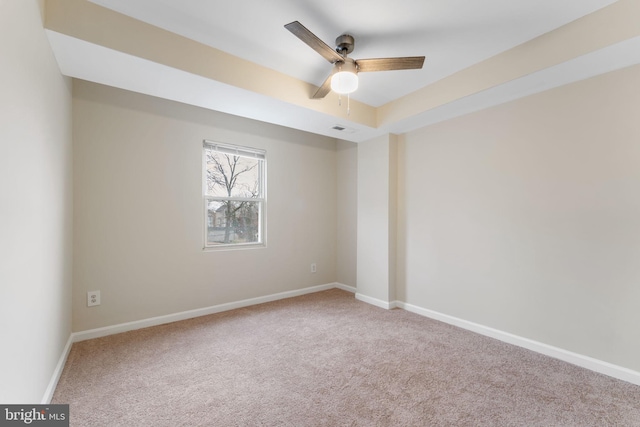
[93,298]
[313,267]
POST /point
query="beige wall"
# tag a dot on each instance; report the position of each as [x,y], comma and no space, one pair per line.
[35,206]
[526,217]
[346,211]
[139,211]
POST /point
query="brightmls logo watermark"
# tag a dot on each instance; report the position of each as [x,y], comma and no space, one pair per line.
[34,415]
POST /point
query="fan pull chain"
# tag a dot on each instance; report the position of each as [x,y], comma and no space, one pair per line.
[348,103]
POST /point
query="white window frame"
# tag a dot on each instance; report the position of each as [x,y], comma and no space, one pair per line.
[236,150]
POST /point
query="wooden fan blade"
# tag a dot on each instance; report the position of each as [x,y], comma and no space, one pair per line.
[388,64]
[313,41]
[324,89]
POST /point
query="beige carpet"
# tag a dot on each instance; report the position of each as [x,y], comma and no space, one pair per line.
[328,360]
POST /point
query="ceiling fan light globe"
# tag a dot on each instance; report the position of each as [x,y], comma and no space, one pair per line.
[344,82]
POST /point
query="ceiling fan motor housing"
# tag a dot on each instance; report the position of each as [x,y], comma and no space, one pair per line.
[349,65]
[345,44]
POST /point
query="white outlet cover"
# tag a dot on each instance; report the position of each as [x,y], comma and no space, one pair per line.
[93,298]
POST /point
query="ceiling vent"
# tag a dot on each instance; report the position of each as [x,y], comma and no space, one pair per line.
[342,128]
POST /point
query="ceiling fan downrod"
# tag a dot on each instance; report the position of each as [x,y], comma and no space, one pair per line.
[345,44]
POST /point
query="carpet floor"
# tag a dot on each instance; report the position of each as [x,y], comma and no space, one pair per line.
[326,359]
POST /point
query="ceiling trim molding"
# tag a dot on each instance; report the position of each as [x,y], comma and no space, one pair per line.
[605,27]
[611,58]
[142,58]
[95,24]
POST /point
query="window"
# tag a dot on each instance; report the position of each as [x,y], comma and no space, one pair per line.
[234,195]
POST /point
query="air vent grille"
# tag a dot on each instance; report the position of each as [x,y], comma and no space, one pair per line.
[342,128]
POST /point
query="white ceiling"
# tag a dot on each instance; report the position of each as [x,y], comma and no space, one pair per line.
[452,34]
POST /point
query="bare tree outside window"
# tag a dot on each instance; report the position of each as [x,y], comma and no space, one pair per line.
[234,194]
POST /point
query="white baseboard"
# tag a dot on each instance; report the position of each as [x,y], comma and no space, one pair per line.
[587,362]
[590,363]
[160,320]
[51,388]
[375,301]
[345,287]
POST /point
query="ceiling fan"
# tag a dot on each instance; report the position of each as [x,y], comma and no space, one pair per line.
[344,76]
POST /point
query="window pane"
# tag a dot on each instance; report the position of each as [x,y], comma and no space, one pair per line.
[232,176]
[230,222]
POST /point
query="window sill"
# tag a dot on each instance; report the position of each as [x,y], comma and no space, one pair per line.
[234,247]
